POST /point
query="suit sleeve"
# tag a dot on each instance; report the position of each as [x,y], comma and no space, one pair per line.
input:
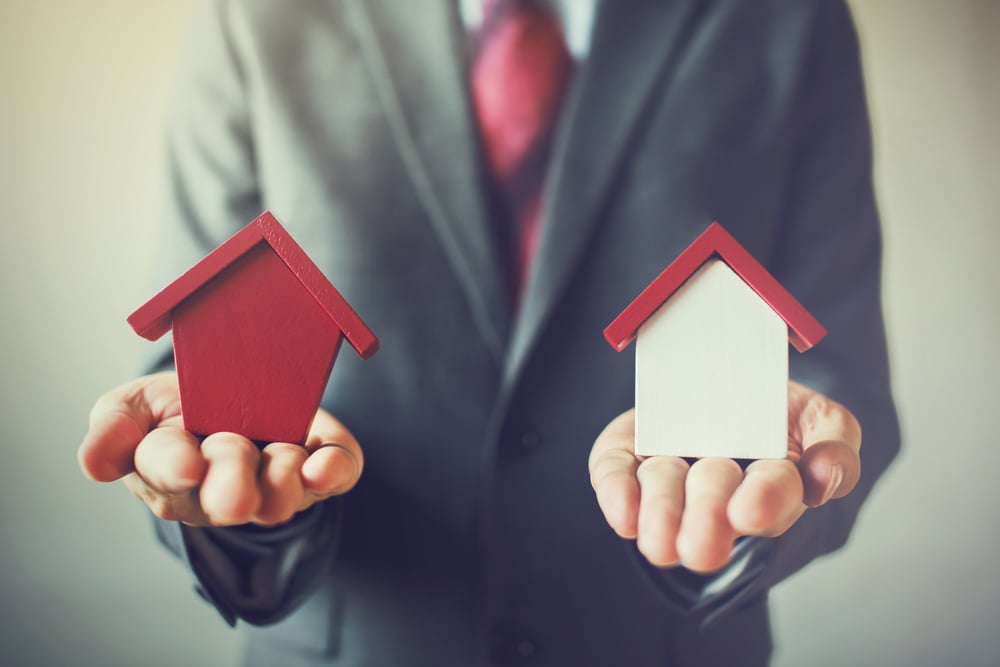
[829,256]
[260,575]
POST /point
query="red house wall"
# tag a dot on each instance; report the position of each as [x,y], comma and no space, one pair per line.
[254,320]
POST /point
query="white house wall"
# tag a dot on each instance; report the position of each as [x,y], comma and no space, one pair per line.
[712,372]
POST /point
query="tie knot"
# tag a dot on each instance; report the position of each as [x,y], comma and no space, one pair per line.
[491,8]
[530,19]
[520,69]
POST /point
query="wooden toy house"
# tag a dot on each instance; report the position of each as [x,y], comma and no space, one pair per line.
[712,336]
[256,330]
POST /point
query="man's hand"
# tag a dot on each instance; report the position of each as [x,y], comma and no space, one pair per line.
[692,514]
[136,434]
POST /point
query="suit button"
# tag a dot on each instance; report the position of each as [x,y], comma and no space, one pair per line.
[525,648]
[520,442]
[511,644]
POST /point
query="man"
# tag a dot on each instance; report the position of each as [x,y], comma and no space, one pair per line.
[475,534]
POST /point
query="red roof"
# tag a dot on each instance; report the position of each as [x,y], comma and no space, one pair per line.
[803,329]
[154,318]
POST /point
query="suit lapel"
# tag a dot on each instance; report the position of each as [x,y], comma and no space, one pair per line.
[629,60]
[416,56]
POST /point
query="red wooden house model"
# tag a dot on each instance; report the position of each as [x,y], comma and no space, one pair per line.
[712,336]
[256,330]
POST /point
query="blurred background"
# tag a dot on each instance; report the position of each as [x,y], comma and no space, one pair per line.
[82,88]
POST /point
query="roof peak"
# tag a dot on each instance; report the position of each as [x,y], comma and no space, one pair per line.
[804,330]
[155,317]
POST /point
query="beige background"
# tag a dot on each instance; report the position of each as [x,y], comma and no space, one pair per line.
[82,85]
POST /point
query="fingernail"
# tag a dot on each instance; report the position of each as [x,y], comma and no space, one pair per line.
[836,477]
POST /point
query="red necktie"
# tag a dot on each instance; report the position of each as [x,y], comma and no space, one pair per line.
[519,72]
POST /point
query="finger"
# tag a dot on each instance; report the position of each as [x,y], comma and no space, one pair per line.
[661,480]
[706,537]
[183,507]
[831,442]
[830,469]
[769,500]
[280,480]
[169,460]
[326,430]
[229,494]
[613,468]
[138,487]
[120,419]
[331,470]
[335,458]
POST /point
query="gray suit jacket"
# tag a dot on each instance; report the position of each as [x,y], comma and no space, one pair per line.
[474,535]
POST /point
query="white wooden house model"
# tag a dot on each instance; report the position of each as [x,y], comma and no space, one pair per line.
[711,377]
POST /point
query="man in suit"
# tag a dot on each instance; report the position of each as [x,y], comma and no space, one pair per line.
[475,534]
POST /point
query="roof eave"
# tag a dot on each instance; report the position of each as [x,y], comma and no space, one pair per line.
[804,330]
[154,318]
[353,328]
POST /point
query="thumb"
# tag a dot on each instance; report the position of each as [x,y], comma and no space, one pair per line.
[829,470]
[830,435]
[335,458]
[120,419]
